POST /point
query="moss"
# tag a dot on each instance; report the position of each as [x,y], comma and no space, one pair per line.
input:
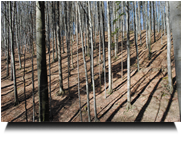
[165,78]
[110,92]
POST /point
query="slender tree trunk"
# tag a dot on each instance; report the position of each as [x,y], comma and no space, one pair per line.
[48,33]
[6,39]
[146,14]
[122,35]
[175,15]
[139,21]
[154,19]
[109,49]
[17,42]
[53,32]
[85,66]
[164,22]
[158,16]
[41,63]
[149,31]
[161,27]
[12,54]
[33,71]
[68,39]
[58,27]
[136,46]
[169,48]
[99,32]
[92,62]
[115,29]
[103,47]
[77,41]
[71,40]
[136,19]
[24,89]
[128,57]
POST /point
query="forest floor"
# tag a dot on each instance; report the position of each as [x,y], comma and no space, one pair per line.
[150,97]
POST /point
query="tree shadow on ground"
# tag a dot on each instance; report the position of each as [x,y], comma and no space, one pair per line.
[118,108]
[141,113]
[169,103]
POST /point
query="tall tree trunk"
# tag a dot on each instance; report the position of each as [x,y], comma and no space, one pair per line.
[109,49]
[122,37]
[139,22]
[164,22]
[12,53]
[114,25]
[77,41]
[175,15]
[161,27]
[53,25]
[92,62]
[103,47]
[99,32]
[68,37]
[33,69]
[41,63]
[48,33]
[154,19]
[149,31]
[136,46]
[85,66]
[55,31]
[158,18]
[146,14]
[168,48]
[136,19]
[58,27]
[128,56]
[6,39]
[17,35]
[25,88]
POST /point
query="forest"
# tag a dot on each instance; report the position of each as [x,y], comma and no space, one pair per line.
[90,61]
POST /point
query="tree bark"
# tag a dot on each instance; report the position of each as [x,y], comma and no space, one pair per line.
[175,15]
[168,48]
[135,35]
[154,19]
[149,31]
[103,48]
[109,49]
[12,54]
[41,63]
[58,27]
[128,56]
[85,66]
[92,61]
[77,41]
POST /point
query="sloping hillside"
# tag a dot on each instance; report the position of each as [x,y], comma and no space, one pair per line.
[151,100]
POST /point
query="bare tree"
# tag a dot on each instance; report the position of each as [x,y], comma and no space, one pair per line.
[128,57]
[12,52]
[149,31]
[109,49]
[154,20]
[168,48]
[135,35]
[92,61]
[85,65]
[58,27]
[175,15]
[41,62]
[103,47]
[77,41]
